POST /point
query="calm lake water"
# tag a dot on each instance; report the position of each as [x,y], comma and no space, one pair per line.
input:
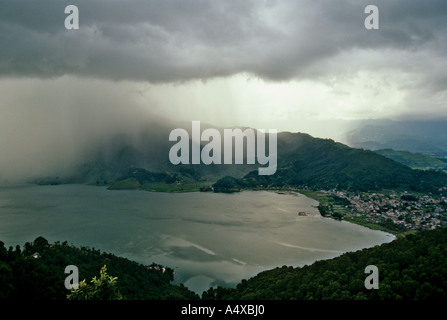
[207,238]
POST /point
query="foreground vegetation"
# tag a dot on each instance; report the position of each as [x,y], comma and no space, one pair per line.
[410,268]
[37,271]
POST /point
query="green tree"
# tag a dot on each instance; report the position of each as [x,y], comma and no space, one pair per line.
[104,288]
[6,278]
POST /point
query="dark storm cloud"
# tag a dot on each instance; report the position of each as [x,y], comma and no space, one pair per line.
[164,41]
[59,98]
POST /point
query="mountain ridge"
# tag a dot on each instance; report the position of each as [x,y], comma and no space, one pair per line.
[428,137]
[326,164]
[302,161]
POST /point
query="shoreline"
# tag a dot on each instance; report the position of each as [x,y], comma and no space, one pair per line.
[204,187]
[293,209]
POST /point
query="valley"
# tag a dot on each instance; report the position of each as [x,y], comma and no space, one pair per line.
[368,185]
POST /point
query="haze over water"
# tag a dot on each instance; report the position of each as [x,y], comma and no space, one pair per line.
[207,238]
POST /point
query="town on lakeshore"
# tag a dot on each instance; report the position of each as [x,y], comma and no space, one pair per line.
[391,211]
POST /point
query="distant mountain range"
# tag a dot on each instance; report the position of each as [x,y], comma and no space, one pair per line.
[427,137]
[415,160]
[303,161]
[117,158]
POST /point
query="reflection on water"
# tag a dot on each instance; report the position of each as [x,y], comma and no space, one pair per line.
[208,239]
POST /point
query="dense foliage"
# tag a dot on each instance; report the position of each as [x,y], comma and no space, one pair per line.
[103,288]
[37,271]
[304,161]
[413,267]
[410,268]
[228,184]
[137,178]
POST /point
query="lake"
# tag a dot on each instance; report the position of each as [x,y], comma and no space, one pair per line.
[208,238]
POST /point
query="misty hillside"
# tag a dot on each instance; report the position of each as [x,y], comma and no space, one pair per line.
[428,137]
[116,158]
[414,160]
[303,161]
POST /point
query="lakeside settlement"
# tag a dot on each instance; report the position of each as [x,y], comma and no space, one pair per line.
[391,211]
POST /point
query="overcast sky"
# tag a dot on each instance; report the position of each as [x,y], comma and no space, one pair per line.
[262,63]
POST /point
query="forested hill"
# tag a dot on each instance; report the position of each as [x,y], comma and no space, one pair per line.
[304,161]
[410,268]
[36,271]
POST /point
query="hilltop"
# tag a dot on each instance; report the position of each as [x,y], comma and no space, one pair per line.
[303,161]
[308,162]
[36,272]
